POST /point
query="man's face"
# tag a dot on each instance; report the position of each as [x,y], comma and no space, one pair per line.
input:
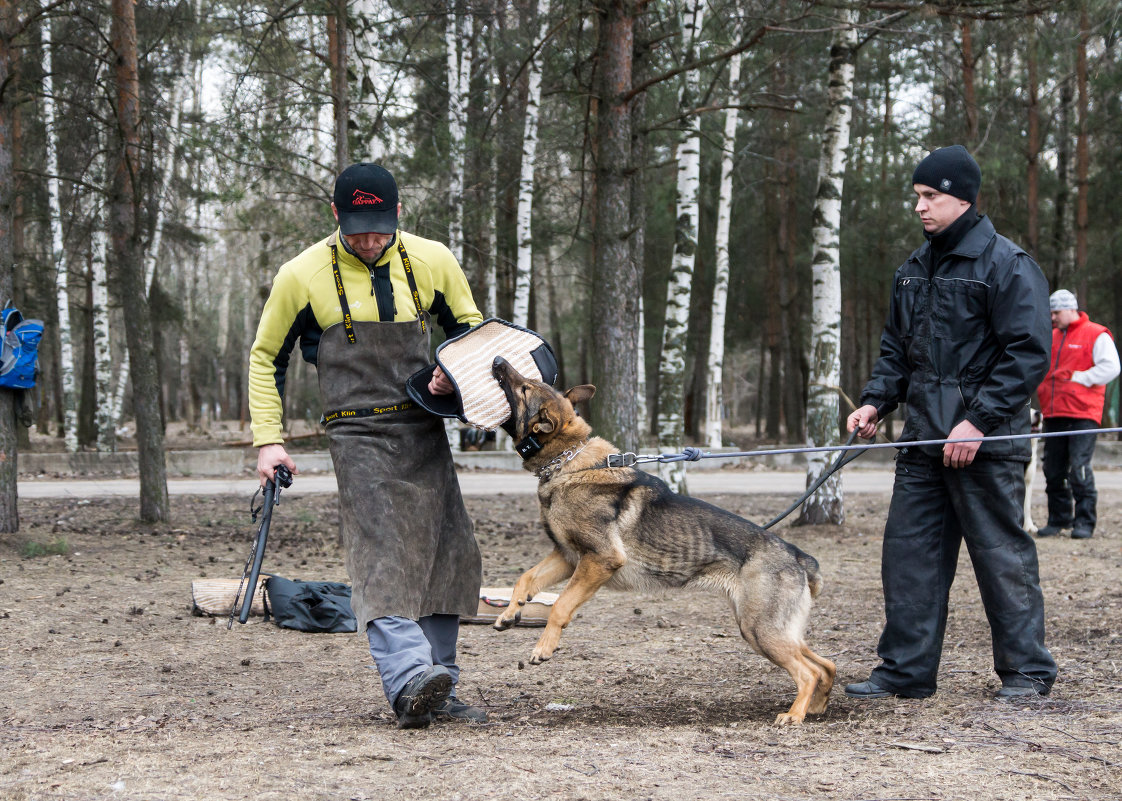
[937,210]
[367,246]
[1063,318]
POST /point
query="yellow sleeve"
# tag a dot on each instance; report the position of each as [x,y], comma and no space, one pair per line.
[449,280]
[268,358]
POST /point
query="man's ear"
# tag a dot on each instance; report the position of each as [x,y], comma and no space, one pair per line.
[335,211]
[580,393]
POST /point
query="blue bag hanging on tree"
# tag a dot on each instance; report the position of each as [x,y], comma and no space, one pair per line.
[19,357]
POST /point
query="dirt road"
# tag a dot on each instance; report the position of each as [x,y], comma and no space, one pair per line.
[112,689]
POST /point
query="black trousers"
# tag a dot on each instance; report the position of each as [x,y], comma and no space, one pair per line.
[1069,482]
[933,510]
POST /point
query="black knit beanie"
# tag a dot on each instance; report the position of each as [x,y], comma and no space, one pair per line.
[952,171]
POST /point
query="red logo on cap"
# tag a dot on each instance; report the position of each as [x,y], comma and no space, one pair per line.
[361,198]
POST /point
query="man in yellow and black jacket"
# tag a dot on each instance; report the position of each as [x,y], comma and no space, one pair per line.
[360,302]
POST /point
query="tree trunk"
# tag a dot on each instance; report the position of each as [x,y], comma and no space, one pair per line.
[826,504]
[1082,153]
[525,265]
[340,100]
[615,306]
[969,80]
[106,417]
[58,251]
[9,27]
[127,264]
[714,400]
[1032,194]
[641,63]
[1061,239]
[457,38]
[672,371]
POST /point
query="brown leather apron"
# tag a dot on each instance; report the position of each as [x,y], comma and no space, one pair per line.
[410,546]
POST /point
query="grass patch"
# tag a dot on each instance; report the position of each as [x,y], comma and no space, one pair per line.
[33,549]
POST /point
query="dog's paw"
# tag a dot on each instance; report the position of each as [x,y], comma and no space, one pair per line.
[787,719]
[539,656]
[503,623]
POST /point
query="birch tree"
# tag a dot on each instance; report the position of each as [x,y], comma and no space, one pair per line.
[825,505]
[525,263]
[58,250]
[105,416]
[714,398]
[671,417]
[457,43]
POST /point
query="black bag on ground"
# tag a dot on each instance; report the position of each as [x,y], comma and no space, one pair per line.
[315,606]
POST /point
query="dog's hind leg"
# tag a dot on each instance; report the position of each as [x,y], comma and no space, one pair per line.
[828,672]
[591,573]
[547,572]
[772,613]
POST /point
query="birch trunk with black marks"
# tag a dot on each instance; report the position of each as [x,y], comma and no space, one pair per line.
[714,400]
[826,505]
[457,42]
[672,370]
[524,269]
[58,249]
[104,417]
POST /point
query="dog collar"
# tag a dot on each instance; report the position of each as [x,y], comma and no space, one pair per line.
[528,447]
[547,471]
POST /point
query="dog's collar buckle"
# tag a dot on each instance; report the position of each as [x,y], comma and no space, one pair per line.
[621,459]
[528,447]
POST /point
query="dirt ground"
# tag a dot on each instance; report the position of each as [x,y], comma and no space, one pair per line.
[112,688]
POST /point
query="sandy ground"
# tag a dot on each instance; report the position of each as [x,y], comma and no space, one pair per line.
[113,689]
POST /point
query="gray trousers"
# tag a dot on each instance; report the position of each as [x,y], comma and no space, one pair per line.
[402,648]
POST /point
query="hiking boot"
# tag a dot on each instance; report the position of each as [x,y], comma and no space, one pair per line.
[452,708]
[1082,533]
[1050,530]
[420,696]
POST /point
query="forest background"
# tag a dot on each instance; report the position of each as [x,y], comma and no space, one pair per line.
[700,205]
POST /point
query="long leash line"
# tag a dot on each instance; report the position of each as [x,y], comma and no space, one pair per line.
[848,453]
[696,454]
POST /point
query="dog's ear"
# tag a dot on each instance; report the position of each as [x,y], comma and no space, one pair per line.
[543,426]
[581,393]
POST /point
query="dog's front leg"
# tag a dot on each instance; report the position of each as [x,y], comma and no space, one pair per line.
[547,572]
[592,572]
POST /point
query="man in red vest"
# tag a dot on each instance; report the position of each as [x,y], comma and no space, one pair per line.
[1084,361]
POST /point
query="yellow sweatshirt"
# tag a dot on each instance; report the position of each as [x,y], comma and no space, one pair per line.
[304,302]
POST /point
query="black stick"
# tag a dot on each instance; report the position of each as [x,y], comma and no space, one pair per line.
[282,478]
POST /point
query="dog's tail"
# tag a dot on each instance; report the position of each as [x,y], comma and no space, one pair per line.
[813,577]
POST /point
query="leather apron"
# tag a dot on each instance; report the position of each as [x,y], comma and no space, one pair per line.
[410,545]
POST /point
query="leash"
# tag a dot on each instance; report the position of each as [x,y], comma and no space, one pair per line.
[848,453]
[696,454]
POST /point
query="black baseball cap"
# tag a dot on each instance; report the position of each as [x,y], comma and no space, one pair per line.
[366,199]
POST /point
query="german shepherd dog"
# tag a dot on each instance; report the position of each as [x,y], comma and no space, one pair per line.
[620,527]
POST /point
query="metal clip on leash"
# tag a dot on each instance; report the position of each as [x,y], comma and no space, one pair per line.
[282,479]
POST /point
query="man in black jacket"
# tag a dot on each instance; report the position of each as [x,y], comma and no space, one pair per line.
[966,342]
